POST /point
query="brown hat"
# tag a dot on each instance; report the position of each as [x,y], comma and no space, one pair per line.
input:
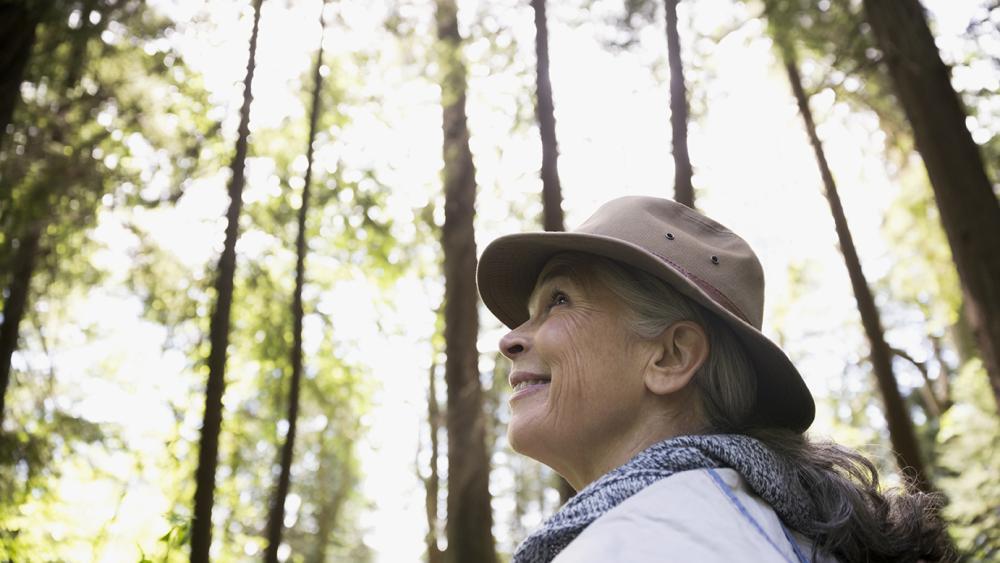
[697,256]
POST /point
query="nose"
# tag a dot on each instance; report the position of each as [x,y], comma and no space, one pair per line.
[514,343]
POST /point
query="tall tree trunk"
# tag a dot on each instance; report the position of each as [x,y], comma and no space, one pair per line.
[15,305]
[552,213]
[433,482]
[276,518]
[329,511]
[965,198]
[552,216]
[18,24]
[901,432]
[683,190]
[470,521]
[208,453]
[332,470]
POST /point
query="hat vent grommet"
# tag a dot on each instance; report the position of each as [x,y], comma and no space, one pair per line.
[670,236]
[715,259]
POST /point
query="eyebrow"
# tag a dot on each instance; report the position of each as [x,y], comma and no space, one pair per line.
[558,271]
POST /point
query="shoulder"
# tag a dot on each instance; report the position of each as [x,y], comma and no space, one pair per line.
[700,515]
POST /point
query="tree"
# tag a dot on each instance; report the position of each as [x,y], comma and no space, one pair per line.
[552,213]
[16,303]
[545,111]
[208,454]
[683,190]
[640,13]
[66,161]
[68,145]
[276,518]
[18,24]
[470,520]
[901,432]
[964,195]
[432,482]
[25,218]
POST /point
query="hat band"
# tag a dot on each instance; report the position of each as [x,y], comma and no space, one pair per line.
[707,287]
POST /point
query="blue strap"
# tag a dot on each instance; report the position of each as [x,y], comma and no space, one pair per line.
[725,488]
[795,546]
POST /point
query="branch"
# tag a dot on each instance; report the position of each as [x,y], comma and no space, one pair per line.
[945,372]
[933,403]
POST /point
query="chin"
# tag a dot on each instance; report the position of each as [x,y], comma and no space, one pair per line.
[522,436]
[515,437]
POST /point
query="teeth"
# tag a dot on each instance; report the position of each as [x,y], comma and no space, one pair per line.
[529,383]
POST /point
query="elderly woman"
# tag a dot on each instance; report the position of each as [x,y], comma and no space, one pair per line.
[640,374]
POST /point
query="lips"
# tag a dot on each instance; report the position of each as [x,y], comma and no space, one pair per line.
[522,379]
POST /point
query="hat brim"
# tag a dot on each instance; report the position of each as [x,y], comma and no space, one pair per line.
[510,265]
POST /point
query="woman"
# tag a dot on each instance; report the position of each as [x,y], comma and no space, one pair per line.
[640,375]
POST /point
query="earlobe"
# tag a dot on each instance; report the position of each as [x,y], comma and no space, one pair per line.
[679,352]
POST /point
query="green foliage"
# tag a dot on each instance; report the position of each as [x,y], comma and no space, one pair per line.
[834,35]
[105,109]
[970,442]
[913,227]
[30,460]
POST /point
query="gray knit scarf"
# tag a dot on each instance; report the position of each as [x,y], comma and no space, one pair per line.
[764,472]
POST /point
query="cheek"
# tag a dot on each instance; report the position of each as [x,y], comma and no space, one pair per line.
[582,364]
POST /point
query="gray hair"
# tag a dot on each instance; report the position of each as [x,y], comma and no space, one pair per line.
[855,520]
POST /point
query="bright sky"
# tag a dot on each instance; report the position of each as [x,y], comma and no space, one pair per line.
[754,171]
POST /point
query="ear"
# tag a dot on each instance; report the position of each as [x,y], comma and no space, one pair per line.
[679,351]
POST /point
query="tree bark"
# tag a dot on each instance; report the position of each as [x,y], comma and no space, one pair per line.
[683,189]
[18,25]
[208,453]
[326,520]
[433,482]
[965,198]
[901,432]
[552,216]
[15,305]
[276,518]
[470,520]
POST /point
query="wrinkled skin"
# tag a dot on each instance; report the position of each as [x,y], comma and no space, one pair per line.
[596,412]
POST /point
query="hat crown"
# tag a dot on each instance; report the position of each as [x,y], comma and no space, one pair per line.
[704,251]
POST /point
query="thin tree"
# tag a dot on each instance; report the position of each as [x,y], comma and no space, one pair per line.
[470,520]
[208,453]
[16,303]
[276,516]
[552,215]
[338,485]
[901,431]
[432,484]
[683,189]
[964,195]
[18,23]
[552,212]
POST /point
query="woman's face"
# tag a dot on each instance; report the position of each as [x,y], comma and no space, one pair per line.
[577,373]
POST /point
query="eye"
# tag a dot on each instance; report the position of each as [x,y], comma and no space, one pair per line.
[558,297]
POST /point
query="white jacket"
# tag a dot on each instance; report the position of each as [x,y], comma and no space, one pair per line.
[692,516]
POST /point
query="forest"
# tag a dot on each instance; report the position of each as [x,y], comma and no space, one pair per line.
[239,243]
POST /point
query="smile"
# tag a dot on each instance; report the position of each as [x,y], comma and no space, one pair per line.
[526,384]
[525,388]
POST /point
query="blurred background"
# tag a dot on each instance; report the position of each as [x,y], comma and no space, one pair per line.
[245,326]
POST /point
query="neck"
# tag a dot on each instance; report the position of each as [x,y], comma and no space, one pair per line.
[591,461]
